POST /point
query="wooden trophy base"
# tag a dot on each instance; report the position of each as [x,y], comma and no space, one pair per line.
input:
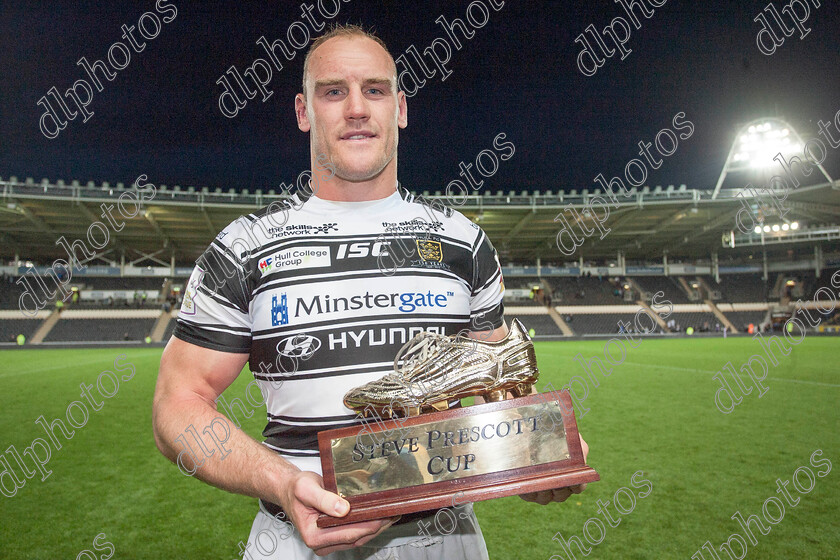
[443,459]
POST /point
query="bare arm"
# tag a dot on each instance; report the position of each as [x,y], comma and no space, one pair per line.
[191,378]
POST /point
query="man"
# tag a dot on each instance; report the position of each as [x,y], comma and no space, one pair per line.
[303,299]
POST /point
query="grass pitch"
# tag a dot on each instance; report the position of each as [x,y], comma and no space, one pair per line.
[655,413]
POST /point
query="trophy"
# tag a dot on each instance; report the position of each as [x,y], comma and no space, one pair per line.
[418,454]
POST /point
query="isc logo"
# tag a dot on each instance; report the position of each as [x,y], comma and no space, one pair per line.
[362,249]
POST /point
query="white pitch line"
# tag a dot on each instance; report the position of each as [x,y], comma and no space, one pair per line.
[714,372]
[25,371]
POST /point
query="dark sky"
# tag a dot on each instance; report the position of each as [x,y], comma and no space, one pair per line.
[517,75]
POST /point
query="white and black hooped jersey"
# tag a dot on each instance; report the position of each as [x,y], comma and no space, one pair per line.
[322,295]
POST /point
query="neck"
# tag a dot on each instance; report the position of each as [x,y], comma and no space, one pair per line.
[338,189]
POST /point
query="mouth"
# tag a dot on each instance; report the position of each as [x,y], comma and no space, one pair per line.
[358,136]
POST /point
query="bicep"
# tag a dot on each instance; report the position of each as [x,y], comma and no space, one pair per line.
[189,371]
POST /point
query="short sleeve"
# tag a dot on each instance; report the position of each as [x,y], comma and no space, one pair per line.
[215,308]
[486,305]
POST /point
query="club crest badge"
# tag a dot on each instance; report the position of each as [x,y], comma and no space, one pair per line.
[429,250]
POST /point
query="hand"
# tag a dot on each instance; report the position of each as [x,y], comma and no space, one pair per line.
[559,494]
[305,498]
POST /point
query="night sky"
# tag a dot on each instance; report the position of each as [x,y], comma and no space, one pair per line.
[517,75]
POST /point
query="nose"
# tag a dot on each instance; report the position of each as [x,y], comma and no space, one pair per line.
[356,105]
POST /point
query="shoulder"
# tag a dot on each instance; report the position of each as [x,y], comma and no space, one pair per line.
[443,218]
[251,231]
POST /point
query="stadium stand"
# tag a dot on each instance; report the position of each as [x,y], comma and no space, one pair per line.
[587,290]
[10,293]
[10,328]
[671,287]
[124,283]
[543,325]
[741,288]
[591,292]
[600,323]
[740,319]
[106,330]
[518,284]
[699,321]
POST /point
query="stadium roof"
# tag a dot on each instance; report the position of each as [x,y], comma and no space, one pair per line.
[179,223]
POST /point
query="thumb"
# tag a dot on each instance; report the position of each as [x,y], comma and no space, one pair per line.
[310,493]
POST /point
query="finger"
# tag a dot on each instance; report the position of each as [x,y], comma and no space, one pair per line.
[309,492]
[584,447]
[577,489]
[530,497]
[543,498]
[561,494]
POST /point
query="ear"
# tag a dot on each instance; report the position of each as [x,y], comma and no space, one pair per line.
[402,115]
[300,113]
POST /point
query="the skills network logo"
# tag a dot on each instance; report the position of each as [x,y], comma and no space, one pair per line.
[279,312]
[302,229]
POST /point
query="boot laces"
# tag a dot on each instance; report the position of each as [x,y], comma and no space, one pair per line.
[423,346]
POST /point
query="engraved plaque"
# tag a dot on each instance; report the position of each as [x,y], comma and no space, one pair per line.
[448,449]
[485,451]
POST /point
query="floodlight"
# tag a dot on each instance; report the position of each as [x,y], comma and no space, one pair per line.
[756,146]
[775,227]
[762,143]
[785,227]
[766,229]
[794,225]
[757,229]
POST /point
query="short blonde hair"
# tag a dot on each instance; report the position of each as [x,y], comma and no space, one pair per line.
[346,30]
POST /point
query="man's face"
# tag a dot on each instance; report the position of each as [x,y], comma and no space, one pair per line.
[352,108]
